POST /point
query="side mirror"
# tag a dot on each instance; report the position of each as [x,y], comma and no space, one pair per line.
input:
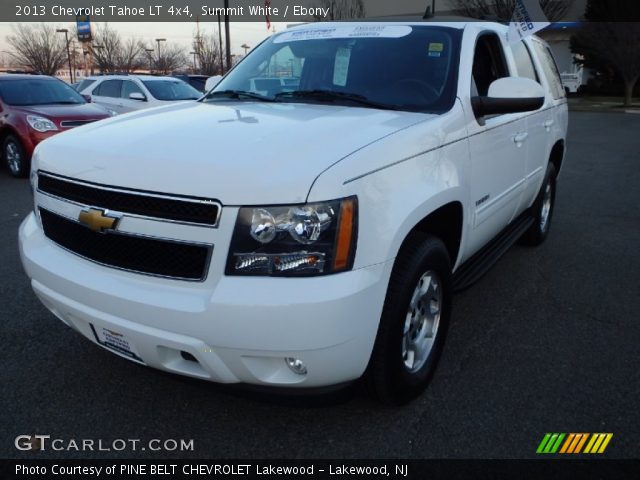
[87,98]
[212,82]
[137,96]
[510,95]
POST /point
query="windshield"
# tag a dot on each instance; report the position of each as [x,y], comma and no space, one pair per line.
[377,66]
[84,84]
[38,91]
[171,90]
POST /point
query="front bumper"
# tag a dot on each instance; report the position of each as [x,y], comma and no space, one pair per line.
[240,332]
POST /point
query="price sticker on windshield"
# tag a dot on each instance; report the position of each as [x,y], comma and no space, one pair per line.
[341,66]
[360,31]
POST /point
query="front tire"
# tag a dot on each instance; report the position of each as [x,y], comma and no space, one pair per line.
[15,157]
[542,210]
[414,322]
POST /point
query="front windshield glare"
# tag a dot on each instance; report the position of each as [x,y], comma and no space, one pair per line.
[395,66]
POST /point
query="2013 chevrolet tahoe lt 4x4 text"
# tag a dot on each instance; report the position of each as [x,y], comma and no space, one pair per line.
[305,223]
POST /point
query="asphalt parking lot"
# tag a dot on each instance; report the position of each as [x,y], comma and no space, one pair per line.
[547,341]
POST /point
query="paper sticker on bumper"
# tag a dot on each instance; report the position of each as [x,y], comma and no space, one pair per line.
[115,341]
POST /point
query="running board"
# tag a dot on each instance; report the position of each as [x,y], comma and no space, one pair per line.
[480,263]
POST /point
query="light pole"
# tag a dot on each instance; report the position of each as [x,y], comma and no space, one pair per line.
[227,33]
[158,40]
[66,36]
[246,47]
[194,60]
[220,44]
[150,54]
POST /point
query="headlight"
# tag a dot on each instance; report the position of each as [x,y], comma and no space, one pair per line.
[41,124]
[113,113]
[294,240]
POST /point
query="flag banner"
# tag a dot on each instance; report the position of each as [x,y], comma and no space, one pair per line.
[523,23]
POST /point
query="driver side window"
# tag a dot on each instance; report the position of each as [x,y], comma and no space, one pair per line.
[489,64]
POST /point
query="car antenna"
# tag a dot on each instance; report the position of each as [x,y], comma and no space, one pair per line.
[430,11]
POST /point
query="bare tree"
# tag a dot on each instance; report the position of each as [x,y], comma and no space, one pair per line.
[554,10]
[130,57]
[171,57]
[611,45]
[113,54]
[341,10]
[38,47]
[207,48]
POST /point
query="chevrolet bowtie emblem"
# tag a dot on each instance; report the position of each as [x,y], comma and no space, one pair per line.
[97,220]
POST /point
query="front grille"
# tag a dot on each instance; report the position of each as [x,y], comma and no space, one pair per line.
[75,123]
[146,255]
[148,204]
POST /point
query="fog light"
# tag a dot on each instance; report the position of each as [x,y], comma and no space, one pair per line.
[296,365]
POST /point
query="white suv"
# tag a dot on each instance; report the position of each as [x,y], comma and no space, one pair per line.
[307,232]
[126,93]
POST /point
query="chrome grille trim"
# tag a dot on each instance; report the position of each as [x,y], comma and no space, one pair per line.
[161,196]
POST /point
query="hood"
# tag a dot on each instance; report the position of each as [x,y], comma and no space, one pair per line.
[66,112]
[239,153]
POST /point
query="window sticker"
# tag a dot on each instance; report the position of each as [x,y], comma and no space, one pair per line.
[436,49]
[341,66]
[360,31]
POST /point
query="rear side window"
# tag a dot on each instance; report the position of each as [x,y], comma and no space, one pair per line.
[550,70]
[109,88]
[524,62]
[488,64]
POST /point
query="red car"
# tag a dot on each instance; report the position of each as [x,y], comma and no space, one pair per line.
[36,107]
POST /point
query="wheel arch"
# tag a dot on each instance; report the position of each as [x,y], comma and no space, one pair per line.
[556,157]
[5,131]
[445,223]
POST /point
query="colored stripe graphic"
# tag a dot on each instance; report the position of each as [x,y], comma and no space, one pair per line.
[567,443]
[543,443]
[581,443]
[550,443]
[576,439]
[598,442]
[573,443]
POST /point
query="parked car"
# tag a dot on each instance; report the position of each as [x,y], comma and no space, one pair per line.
[126,93]
[196,81]
[212,82]
[309,232]
[36,107]
[572,82]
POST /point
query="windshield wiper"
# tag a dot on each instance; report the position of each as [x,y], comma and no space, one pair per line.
[238,95]
[331,95]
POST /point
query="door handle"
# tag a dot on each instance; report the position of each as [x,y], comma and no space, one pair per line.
[548,124]
[520,138]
